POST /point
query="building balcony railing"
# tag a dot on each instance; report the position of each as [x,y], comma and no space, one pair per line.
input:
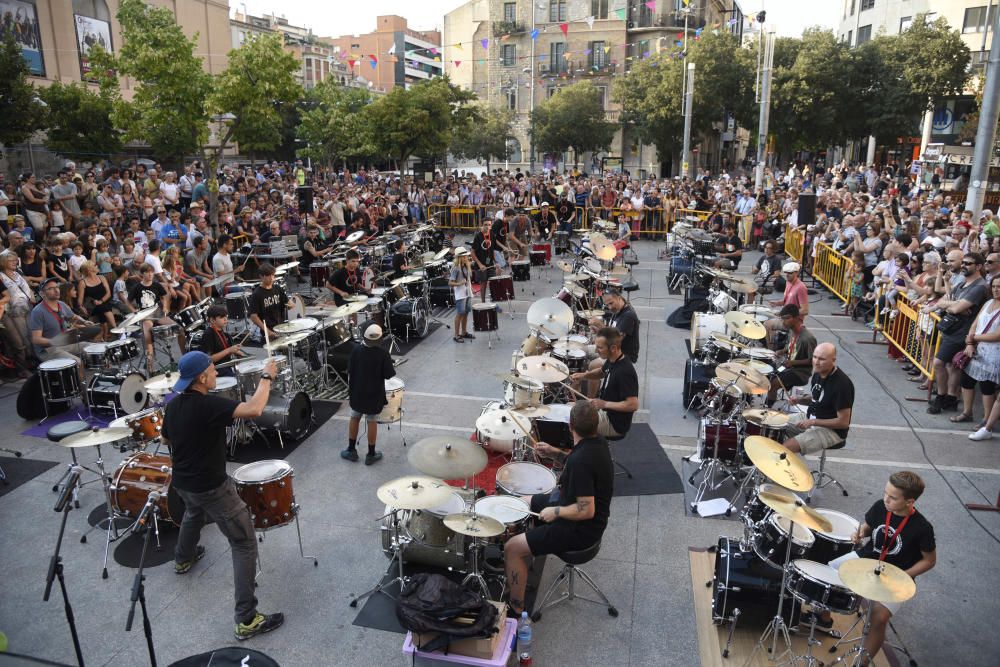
[575,69]
[502,28]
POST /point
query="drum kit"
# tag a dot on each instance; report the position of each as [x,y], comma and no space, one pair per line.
[783,555]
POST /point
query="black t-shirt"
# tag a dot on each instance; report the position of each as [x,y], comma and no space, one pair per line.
[145,296]
[482,248]
[731,244]
[59,265]
[398,262]
[565,210]
[213,341]
[907,548]
[589,471]
[195,424]
[499,232]
[831,394]
[627,322]
[766,266]
[269,305]
[619,382]
[546,222]
[348,281]
[317,244]
[367,371]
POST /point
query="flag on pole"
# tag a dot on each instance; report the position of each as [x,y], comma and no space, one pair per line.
[651,4]
[620,13]
[534,34]
[374,61]
[457,63]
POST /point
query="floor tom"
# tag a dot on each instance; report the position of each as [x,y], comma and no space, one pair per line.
[138,476]
[266,488]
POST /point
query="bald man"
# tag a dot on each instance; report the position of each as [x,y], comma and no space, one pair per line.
[830,401]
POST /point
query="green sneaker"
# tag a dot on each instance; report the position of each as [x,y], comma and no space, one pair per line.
[185,567]
[259,625]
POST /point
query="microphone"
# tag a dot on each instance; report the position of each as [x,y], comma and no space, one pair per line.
[150,502]
[67,491]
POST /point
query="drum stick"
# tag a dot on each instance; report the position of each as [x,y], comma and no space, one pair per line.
[520,509]
[524,431]
[586,398]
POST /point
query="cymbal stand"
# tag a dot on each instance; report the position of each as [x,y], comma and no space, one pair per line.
[400,548]
[777,625]
[3,475]
[138,587]
[56,565]
[393,340]
[859,651]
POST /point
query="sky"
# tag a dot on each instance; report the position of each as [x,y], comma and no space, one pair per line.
[343,17]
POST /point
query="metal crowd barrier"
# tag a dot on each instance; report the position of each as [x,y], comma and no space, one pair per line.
[650,221]
[834,270]
[795,244]
[744,227]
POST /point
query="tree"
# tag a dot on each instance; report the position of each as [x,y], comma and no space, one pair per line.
[572,118]
[334,126]
[79,123]
[935,59]
[486,138]
[879,87]
[22,114]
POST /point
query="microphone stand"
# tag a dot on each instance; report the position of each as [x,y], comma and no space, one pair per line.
[64,505]
[138,587]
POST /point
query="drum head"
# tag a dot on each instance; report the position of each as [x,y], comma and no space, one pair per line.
[843,524]
[250,367]
[818,571]
[489,305]
[394,383]
[505,509]
[453,505]
[224,384]
[56,364]
[262,471]
[133,394]
[526,478]
[94,348]
[802,535]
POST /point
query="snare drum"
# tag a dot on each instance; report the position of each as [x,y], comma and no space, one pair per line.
[512,512]
[723,398]
[502,445]
[395,389]
[236,305]
[190,318]
[319,272]
[60,379]
[484,316]
[94,355]
[137,477]
[774,430]
[146,425]
[266,488]
[546,252]
[524,479]
[820,585]
[771,538]
[124,394]
[574,358]
[226,387]
[521,270]
[248,373]
[165,332]
[501,288]
[521,391]
[719,440]
[836,542]
[537,257]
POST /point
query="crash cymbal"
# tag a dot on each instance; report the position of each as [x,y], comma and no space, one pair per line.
[795,510]
[406,280]
[503,424]
[139,316]
[125,330]
[414,493]
[218,280]
[565,266]
[543,369]
[287,266]
[778,463]
[740,285]
[766,417]
[760,366]
[748,379]
[726,343]
[347,309]
[354,237]
[875,580]
[465,523]
[447,457]
[423,228]
[442,253]
[550,316]
[353,298]
[294,326]
[285,341]
[746,325]
[161,384]
[532,411]
[100,436]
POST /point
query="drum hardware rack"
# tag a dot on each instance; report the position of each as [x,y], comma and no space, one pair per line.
[399,549]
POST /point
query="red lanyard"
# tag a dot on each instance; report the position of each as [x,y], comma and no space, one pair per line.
[486,241]
[791,347]
[899,531]
[351,278]
[55,314]
[222,338]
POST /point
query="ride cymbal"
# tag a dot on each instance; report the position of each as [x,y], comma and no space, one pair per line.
[877,580]
[94,437]
[745,325]
[294,326]
[543,369]
[778,463]
[503,424]
[746,377]
[550,316]
[414,493]
[447,457]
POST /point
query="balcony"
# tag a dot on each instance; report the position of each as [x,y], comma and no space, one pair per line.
[503,28]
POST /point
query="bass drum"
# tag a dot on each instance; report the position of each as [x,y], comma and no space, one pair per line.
[123,394]
[408,318]
[744,582]
[428,541]
[289,415]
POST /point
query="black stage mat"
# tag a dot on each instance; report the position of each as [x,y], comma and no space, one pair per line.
[129,549]
[406,348]
[259,450]
[20,470]
[652,472]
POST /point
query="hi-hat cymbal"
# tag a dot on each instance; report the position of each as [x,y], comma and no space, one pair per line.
[587,314]
[447,457]
[347,309]
[406,280]
[550,316]
[543,369]
[564,266]
[353,298]
[414,493]
[218,280]
[766,417]
[286,266]
[780,464]
[161,384]
[465,523]
[532,411]
[285,341]
[745,325]
[125,330]
[353,237]
[726,343]
[569,342]
[95,437]
[746,377]
[294,326]
[442,253]
[795,510]
[875,580]
[575,290]
[503,424]
[138,316]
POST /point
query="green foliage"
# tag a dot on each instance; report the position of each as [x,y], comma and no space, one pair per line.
[572,118]
[936,58]
[485,138]
[334,125]
[22,114]
[79,121]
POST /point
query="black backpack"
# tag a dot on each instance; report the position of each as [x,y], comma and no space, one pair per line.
[432,603]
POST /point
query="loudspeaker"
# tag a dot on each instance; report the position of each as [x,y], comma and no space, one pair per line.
[305,193]
[807,209]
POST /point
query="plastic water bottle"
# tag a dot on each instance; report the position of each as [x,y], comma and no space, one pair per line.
[524,632]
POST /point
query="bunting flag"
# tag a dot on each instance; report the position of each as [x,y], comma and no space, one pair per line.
[567,55]
[645,54]
[590,22]
[565,29]
[620,13]
[586,52]
[458,45]
[374,61]
[680,35]
[697,33]
[679,42]
[350,63]
[687,2]
[457,62]
[651,4]
[392,50]
[731,22]
[534,34]
[485,43]
[434,50]
[607,49]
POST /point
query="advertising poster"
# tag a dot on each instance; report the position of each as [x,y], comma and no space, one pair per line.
[21,19]
[90,32]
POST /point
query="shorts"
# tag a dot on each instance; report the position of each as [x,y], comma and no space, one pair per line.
[463,306]
[949,347]
[813,439]
[604,426]
[499,259]
[368,418]
[893,607]
[558,536]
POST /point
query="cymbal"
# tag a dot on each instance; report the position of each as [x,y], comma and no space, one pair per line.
[544,369]
[94,437]
[355,236]
[161,384]
[766,417]
[352,298]
[423,228]
[406,280]
[414,493]
[748,379]
[740,285]
[442,253]
[568,343]
[726,343]
[565,266]
[447,457]
[551,316]
[125,330]
[575,290]
[760,366]
[285,341]
[532,411]
[778,463]
[75,335]
[503,424]
[746,325]
[218,280]
[347,309]
[592,265]
[294,326]
[138,316]
[795,510]
[286,266]
[879,581]
[587,314]
[474,526]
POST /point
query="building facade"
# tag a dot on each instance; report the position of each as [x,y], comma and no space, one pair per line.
[393,55]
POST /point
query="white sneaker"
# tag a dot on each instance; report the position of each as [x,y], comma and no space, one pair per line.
[982,434]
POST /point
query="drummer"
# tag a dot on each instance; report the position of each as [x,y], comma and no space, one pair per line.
[520,231]
[767,270]
[730,247]
[399,264]
[346,280]
[268,303]
[216,343]
[618,394]
[576,513]
[794,363]
[51,318]
[545,227]
[314,248]
[901,536]
[146,294]
[622,316]
[482,255]
[830,401]
[368,368]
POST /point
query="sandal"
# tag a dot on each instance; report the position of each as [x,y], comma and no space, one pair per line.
[458,339]
[960,417]
[924,386]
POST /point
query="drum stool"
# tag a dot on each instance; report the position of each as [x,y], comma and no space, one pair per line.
[629,258]
[821,474]
[569,572]
[629,286]
[616,438]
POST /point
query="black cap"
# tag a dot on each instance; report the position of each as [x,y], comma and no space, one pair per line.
[46,282]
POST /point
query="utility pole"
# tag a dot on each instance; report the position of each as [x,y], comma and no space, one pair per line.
[765,108]
[684,51]
[686,168]
[985,135]
[531,95]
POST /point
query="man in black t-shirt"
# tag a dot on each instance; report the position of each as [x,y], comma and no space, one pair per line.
[576,513]
[268,302]
[730,247]
[399,265]
[194,428]
[903,535]
[501,249]
[566,213]
[618,394]
[830,401]
[482,255]
[367,370]
[215,342]
[767,270]
[147,293]
[622,316]
[347,279]
[545,226]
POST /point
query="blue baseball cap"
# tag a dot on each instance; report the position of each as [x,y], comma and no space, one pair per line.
[191,365]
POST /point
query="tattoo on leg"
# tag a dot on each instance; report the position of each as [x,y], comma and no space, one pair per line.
[514,578]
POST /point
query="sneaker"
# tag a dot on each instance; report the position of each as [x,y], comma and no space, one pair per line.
[349,454]
[807,619]
[185,567]
[982,434]
[258,626]
[372,458]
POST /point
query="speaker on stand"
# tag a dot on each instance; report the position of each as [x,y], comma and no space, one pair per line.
[807,219]
[305,193]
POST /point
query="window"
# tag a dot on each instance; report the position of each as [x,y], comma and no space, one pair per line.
[867,4]
[976,19]
[510,12]
[508,55]
[598,58]
[552,90]
[95,9]
[852,6]
[603,90]
[514,150]
[850,37]
[557,57]
[979,58]
[599,9]
[864,34]
[557,11]
[905,23]
[511,94]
